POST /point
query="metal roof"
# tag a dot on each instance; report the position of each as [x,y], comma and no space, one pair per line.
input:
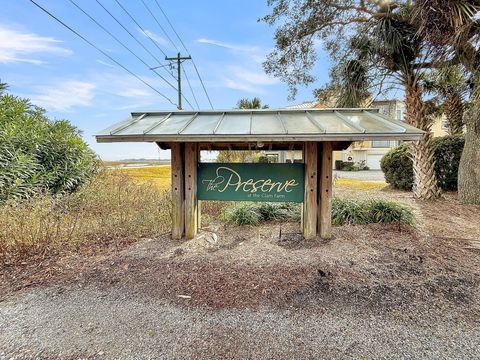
[282,125]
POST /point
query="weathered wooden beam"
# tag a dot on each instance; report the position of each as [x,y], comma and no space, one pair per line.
[191,204]
[178,196]
[310,200]
[199,202]
[325,200]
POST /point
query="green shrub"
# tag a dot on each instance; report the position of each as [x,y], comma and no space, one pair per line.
[278,211]
[448,151]
[254,213]
[388,212]
[242,214]
[347,211]
[39,155]
[398,167]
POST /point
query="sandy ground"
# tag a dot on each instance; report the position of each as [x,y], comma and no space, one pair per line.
[259,292]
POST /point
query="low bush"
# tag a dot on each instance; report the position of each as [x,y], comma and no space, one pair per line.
[398,167]
[347,211]
[242,214]
[388,212]
[255,213]
[344,211]
[110,208]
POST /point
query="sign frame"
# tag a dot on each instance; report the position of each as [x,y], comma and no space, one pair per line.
[259,182]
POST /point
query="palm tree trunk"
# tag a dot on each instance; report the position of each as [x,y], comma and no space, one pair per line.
[425,183]
[454,111]
[469,168]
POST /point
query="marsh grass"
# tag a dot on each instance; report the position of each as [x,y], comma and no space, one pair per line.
[110,209]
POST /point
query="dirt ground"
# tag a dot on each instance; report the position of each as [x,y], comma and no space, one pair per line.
[259,292]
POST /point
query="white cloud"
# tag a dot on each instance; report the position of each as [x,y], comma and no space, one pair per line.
[17,46]
[240,78]
[105,63]
[65,95]
[226,45]
[155,37]
[253,52]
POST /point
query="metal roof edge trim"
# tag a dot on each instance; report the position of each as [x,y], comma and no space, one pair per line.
[227,111]
[253,139]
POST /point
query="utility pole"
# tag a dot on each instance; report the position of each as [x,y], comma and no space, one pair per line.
[179,59]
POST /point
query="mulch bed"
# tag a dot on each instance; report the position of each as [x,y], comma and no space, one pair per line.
[381,268]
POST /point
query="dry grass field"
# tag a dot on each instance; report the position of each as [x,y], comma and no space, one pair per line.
[160,176]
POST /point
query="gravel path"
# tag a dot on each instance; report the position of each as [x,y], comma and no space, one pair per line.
[93,323]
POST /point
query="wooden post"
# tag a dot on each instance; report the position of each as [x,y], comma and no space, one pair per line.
[325,200]
[178,207]
[199,202]
[191,206]
[310,200]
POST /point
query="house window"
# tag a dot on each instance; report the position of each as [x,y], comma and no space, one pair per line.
[381,143]
[384,109]
[399,114]
[444,125]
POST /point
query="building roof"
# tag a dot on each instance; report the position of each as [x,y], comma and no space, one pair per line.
[282,125]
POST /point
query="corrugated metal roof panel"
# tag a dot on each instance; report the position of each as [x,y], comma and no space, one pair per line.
[251,125]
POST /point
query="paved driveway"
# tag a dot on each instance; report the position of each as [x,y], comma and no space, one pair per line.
[368,175]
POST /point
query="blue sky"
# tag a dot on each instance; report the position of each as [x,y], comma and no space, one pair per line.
[43,61]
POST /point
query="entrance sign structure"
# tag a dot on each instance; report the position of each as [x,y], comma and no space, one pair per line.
[250,182]
[317,132]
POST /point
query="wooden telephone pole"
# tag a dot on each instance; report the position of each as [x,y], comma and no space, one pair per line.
[179,59]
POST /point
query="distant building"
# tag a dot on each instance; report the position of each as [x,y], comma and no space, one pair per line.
[366,152]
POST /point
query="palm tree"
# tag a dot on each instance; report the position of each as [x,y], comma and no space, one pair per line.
[450,86]
[379,36]
[453,27]
[389,40]
[3,87]
[254,103]
[242,155]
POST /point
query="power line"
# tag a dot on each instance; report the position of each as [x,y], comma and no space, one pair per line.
[152,40]
[128,31]
[159,25]
[191,89]
[121,43]
[140,27]
[100,50]
[188,52]
[145,48]
[175,46]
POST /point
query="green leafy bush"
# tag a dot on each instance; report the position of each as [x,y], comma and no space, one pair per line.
[344,211]
[398,167]
[448,151]
[388,212]
[39,155]
[254,213]
[347,211]
[242,214]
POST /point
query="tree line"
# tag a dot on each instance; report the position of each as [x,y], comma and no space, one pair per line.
[427,48]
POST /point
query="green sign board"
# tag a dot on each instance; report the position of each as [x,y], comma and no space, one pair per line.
[250,182]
